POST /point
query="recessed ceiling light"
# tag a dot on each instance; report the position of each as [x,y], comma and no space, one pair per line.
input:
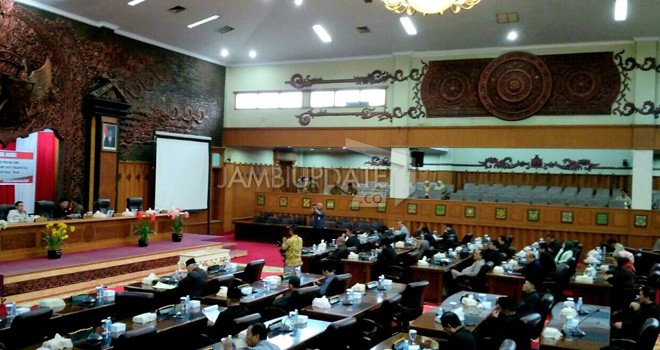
[135,2]
[512,36]
[620,10]
[205,20]
[320,31]
[224,53]
[311,149]
[252,54]
[408,25]
[298,2]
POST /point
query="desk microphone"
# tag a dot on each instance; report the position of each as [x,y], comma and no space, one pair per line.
[576,332]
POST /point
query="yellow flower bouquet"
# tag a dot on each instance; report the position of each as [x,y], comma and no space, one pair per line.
[55,235]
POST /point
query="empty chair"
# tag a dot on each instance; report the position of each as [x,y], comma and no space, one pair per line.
[569,192]
[378,324]
[134,203]
[329,224]
[547,302]
[44,208]
[489,197]
[557,200]
[555,190]
[472,197]
[449,188]
[532,325]
[258,218]
[286,221]
[129,304]
[539,199]
[339,335]
[102,205]
[648,335]
[585,192]
[506,198]
[496,187]
[602,193]
[4,210]
[656,246]
[242,323]
[28,328]
[273,220]
[469,186]
[252,272]
[577,201]
[140,338]
[213,285]
[303,297]
[339,284]
[523,198]
[412,303]
[616,203]
[458,196]
[598,202]
[540,189]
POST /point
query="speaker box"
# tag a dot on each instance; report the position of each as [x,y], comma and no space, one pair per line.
[417,158]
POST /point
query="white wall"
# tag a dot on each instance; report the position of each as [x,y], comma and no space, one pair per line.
[249,155]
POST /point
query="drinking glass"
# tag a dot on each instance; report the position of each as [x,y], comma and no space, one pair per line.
[412,333]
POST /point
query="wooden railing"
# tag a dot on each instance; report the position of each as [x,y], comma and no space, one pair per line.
[526,223]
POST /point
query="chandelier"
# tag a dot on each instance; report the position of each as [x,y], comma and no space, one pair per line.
[426,7]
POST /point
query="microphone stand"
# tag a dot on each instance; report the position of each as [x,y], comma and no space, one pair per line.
[576,332]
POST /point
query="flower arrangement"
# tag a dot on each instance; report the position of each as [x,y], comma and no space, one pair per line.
[3,224]
[56,234]
[143,227]
[178,216]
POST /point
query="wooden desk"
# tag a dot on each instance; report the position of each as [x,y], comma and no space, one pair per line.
[596,327]
[362,271]
[24,240]
[426,342]
[289,340]
[597,293]
[509,284]
[311,261]
[145,288]
[474,316]
[271,233]
[264,297]
[370,301]
[435,274]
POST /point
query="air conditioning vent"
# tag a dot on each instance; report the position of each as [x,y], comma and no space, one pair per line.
[363,30]
[225,29]
[177,9]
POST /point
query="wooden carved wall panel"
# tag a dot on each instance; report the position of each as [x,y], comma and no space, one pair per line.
[169,91]
[517,85]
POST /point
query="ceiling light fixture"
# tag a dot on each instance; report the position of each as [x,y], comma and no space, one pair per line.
[224,53]
[298,2]
[426,7]
[512,36]
[205,20]
[408,25]
[252,54]
[620,10]
[320,31]
[135,2]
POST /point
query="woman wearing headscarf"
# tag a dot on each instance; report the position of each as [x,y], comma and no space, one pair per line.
[565,253]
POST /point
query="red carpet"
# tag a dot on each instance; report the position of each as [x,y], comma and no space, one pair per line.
[257,250]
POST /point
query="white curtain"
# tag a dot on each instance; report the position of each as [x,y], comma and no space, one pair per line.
[26,193]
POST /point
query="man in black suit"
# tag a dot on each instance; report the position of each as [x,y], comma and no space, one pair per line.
[63,210]
[533,270]
[531,301]
[546,260]
[492,253]
[503,323]
[459,337]
[194,284]
[554,245]
[328,272]
[341,252]
[351,239]
[224,323]
[636,315]
[284,300]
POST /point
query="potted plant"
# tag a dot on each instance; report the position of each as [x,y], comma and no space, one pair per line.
[178,216]
[54,236]
[143,227]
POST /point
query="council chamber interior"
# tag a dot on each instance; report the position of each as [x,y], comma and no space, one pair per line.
[329,175]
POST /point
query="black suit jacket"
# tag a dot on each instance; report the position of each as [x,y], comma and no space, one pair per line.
[340,253]
[353,241]
[194,284]
[224,324]
[462,339]
[531,303]
[548,264]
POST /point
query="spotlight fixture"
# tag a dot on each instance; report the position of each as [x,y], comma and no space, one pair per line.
[512,36]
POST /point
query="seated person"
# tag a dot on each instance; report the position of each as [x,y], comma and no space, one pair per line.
[614,247]
[621,281]
[532,269]
[341,252]
[351,239]
[503,323]
[257,338]
[548,265]
[636,315]
[449,239]
[336,190]
[459,337]
[492,253]
[554,245]
[505,247]
[565,253]
[283,301]
[473,269]
[194,284]
[419,244]
[63,210]
[328,272]
[351,190]
[224,323]
[387,255]
[428,236]
[624,197]
[630,262]
[19,214]
[531,300]
[403,230]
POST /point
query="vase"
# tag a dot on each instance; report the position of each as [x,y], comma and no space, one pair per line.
[176,237]
[54,254]
[143,243]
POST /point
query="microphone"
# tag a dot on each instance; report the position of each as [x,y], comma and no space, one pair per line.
[576,332]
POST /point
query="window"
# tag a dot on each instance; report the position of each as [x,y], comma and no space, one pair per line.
[347,98]
[269,100]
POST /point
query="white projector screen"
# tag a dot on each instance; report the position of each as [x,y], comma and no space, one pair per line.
[182,171]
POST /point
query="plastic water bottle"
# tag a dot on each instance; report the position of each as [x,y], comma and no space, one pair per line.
[12,310]
[579,304]
[187,302]
[314,248]
[440,312]
[183,304]
[405,344]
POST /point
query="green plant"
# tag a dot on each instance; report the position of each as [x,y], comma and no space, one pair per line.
[56,233]
[177,215]
[143,227]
